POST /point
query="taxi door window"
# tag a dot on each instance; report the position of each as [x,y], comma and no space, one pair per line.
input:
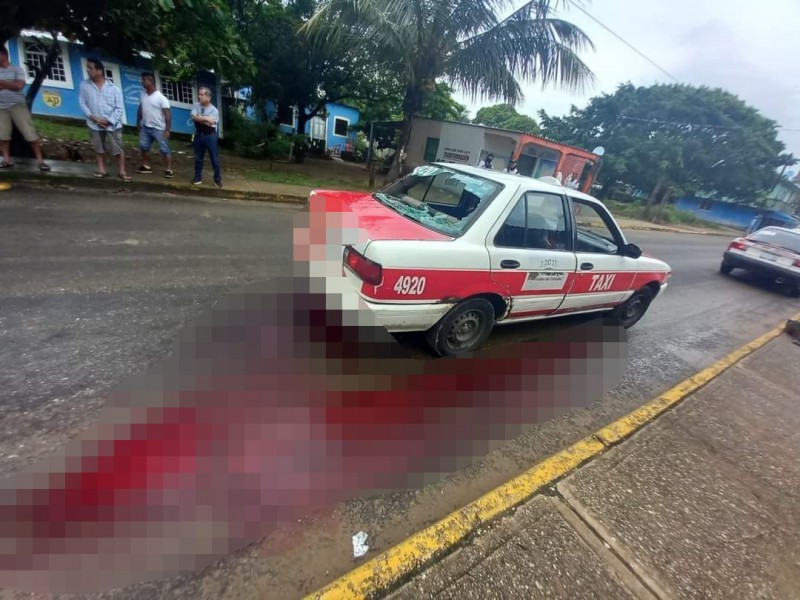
[537,222]
[593,234]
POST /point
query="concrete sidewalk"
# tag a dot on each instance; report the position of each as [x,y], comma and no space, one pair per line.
[82,174]
[704,503]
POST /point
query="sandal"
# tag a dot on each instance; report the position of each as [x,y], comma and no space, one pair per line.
[44,167]
[125,177]
[6,165]
[100,175]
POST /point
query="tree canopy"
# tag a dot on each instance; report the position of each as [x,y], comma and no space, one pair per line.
[505,116]
[467,43]
[183,35]
[441,105]
[676,137]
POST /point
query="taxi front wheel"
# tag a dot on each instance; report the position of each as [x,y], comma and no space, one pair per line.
[463,329]
[634,308]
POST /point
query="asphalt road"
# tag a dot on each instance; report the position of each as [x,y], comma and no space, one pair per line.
[97,287]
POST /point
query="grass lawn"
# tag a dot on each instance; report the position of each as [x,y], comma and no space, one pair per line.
[315,173]
[72,131]
[310,178]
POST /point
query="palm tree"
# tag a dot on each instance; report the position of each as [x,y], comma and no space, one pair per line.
[464,42]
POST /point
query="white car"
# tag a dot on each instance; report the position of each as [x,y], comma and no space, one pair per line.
[771,253]
[453,250]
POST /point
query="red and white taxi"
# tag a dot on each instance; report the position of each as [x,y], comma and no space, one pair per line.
[454,250]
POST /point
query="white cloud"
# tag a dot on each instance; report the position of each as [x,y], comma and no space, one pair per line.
[751,49]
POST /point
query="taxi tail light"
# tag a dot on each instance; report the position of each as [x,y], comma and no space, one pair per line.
[367,270]
[737,245]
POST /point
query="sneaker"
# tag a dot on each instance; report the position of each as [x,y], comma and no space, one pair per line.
[218,184]
[196,182]
[168,174]
[143,169]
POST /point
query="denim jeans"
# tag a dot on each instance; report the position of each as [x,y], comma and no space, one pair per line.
[148,135]
[203,142]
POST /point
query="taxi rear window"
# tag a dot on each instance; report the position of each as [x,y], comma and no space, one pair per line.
[445,200]
[776,237]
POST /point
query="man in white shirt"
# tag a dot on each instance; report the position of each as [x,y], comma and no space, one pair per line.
[154,121]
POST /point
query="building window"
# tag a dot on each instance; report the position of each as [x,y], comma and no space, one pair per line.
[35,54]
[706,205]
[317,128]
[178,92]
[293,117]
[340,126]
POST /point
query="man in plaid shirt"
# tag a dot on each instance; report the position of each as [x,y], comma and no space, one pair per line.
[102,103]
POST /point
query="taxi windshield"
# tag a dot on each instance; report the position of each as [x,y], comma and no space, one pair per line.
[441,199]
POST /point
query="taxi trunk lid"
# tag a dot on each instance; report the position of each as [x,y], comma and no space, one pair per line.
[362,219]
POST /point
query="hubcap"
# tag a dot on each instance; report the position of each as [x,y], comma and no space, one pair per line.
[465,329]
[633,307]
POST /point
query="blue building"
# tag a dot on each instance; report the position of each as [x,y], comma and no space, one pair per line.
[58,96]
[332,130]
[738,216]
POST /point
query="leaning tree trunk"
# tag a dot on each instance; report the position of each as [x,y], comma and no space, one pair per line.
[300,149]
[396,170]
[607,188]
[657,190]
[412,105]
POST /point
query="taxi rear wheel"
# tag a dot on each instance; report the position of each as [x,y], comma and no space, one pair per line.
[634,307]
[463,329]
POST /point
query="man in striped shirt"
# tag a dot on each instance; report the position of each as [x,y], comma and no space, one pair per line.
[101,101]
[14,108]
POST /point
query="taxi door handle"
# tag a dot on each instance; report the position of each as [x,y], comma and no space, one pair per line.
[509,264]
[587,266]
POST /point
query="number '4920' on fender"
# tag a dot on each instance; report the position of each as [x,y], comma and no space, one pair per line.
[410,285]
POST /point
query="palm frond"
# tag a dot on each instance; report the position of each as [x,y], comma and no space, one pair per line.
[485,79]
[465,41]
[534,49]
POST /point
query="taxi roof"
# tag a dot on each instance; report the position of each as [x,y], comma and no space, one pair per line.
[528,183]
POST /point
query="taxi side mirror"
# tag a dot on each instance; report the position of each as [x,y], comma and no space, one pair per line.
[631,250]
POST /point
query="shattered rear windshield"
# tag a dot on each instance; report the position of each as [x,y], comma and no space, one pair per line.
[441,199]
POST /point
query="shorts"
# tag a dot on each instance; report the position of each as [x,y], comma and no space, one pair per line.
[21,116]
[148,135]
[107,142]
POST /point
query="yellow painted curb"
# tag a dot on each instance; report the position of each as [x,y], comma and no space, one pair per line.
[424,546]
[413,554]
[627,425]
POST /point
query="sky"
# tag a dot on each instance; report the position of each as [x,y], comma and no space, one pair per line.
[749,48]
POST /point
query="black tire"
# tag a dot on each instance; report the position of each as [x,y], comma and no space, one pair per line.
[725,268]
[474,317]
[634,308]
